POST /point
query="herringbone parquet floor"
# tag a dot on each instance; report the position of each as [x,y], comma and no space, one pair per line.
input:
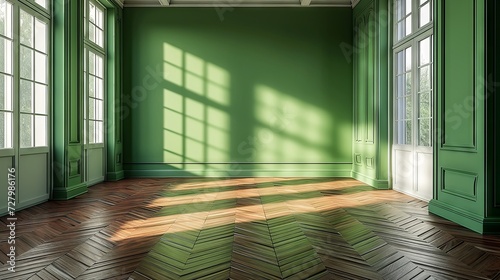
[248,228]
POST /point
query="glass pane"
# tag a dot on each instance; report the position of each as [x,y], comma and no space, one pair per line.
[408,59]
[91,63]
[400,63]
[42,3]
[6,56]
[99,132]
[41,99]
[99,67]
[400,128]
[91,108]
[408,7]
[5,130]
[40,36]
[91,86]
[401,30]
[91,12]
[425,51]
[6,19]
[99,88]
[26,96]
[99,110]
[408,108]
[408,26]
[100,18]
[26,63]
[408,83]
[40,131]
[407,132]
[425,81]
[401,109]
[92,32]
[425,105]
[424,132]
[401,86]
[425,14]
[26,29]
[99,37]
[5,92]
[91,132]
[25,130]
[40,67]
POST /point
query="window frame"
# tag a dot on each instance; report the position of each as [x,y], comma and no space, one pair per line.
[412,40]
[44,15]
[90,46]
[34,148]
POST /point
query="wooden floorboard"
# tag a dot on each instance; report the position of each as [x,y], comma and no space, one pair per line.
[245,228]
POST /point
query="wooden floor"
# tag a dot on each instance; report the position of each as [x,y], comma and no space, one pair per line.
[249,228]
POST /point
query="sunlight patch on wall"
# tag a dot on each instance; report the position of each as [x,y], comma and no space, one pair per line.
[173,128]
[218,84]
[196,122]
[289,129]
[195,74]
[172,65]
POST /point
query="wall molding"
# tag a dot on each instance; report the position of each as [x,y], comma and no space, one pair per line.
[467,219]
[378,184]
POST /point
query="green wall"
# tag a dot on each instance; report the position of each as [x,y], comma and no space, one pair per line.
[466,170]
[252,92]
[68,98]
[370,57]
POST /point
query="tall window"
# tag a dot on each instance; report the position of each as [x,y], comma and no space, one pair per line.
[24,75]
[94,71]
[33,83]
[413,60]
[6,76]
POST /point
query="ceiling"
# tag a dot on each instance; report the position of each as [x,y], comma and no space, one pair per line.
[239,3]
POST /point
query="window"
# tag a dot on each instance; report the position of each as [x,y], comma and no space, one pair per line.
[6,76]
[413,59]
[24,90]
[33,83]
[94,55]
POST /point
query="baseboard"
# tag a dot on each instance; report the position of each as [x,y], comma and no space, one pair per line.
[69,192]
[162,170]
[26,204]
[378,184]
[115,176]
[464,218]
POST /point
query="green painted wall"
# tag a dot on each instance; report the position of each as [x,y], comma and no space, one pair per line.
[68,98]
[370,57]
[466,51]
[249,92]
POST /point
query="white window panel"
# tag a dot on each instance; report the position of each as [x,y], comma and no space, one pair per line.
[41,99]
[6,92]
[6,19]
[40,131]
[40,67]
[6,55]
[42,3]
[41,30]
[6,130]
